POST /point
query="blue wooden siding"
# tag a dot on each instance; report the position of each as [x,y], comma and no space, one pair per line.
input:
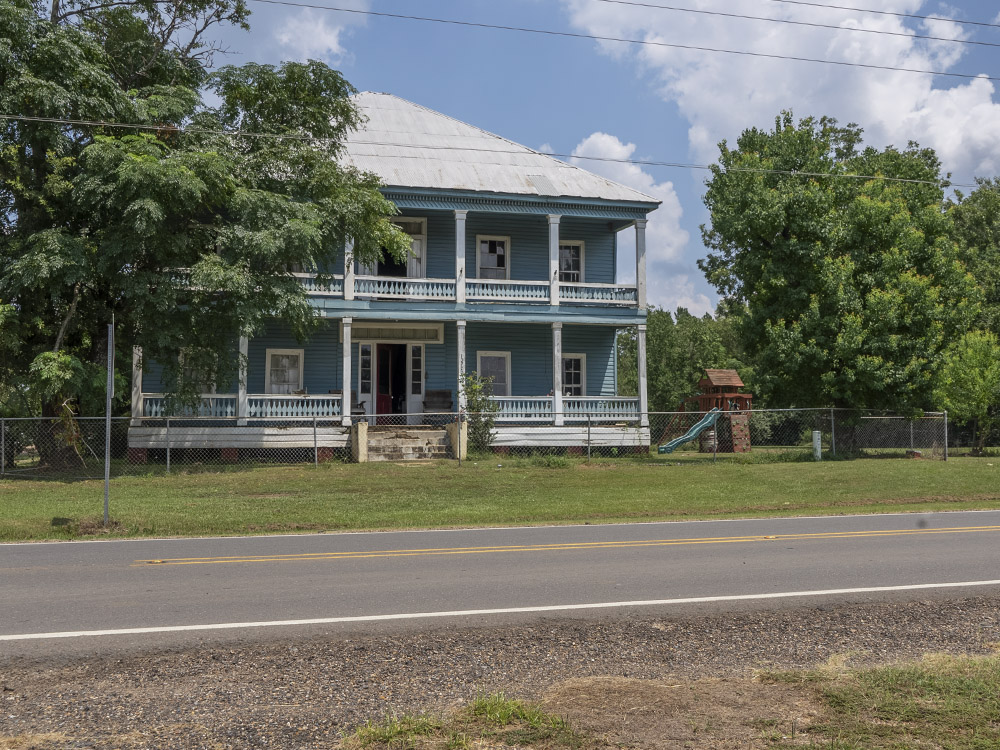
[530,347]
[598,343]
[321,357]
[598,247]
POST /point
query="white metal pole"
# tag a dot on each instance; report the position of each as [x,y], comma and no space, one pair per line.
[168,445]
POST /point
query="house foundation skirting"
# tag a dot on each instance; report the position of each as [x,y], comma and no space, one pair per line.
[238,437]
[569,436]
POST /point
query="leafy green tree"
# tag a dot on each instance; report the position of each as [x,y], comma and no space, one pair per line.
[846,288]
[977,230]
[481,411]
[678,349]
[970,383]
[182,232]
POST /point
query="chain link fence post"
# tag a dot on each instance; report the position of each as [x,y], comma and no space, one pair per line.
[168,445]
[833,432]
[946,436]
[315,445]
[588,436]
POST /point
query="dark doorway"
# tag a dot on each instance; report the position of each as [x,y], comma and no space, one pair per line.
[390,394]
[389,266]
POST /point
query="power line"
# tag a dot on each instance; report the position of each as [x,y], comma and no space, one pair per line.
[889,13]
[800,23]
[313,139]
[645,42]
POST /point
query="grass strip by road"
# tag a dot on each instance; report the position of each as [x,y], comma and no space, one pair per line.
[939,702]
[942,701]
[488,721]
[493,492]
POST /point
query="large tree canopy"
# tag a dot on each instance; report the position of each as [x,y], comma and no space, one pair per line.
[846,287]
[182,231]
[977,229]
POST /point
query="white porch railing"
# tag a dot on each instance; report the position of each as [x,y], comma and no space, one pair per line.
[524,408]
[606,294]
[219,405]
[333,287]
[599,408]
[274,406]
[390,287]
[501,290]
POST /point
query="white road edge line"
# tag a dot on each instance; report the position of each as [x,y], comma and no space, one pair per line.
[499,611]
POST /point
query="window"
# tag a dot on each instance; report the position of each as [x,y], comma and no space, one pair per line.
[495,365]
[416,369]
[574,374]
[365,369]
[571,261]
[284,370]
[493,257]
[187,375]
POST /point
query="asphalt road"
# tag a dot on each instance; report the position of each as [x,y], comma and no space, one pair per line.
[280,584]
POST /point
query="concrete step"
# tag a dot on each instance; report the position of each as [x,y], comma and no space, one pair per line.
[396,443]
[408,453]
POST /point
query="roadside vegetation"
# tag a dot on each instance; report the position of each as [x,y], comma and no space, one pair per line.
[490,491]
[938,702]
[488,721]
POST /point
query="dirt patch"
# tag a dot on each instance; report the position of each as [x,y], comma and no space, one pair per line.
[33,741]
[271,495]
[288,527]
[708,713]
[96,527]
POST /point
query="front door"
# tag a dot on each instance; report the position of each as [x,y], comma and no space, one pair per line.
[390,376]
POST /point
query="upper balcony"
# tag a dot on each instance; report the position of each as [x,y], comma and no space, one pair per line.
[476,290]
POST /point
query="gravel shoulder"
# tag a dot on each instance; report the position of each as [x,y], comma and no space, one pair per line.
[612,676]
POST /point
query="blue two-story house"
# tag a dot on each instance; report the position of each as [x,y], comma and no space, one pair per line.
[513,274]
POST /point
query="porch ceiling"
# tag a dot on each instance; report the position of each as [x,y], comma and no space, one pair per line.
[500,313]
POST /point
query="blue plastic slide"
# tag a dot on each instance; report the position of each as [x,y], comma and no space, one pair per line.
[705,422]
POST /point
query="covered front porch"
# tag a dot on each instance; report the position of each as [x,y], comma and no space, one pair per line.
[404,373]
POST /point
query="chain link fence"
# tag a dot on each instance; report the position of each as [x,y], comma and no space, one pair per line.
[73,448]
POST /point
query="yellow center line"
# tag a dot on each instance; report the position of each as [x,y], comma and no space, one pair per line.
[561,547]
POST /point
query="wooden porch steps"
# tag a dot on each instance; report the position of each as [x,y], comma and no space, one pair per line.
[407,444]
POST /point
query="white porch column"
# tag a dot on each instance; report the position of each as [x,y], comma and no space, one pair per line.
[460,255]
[242,404]
[557,384]
[349,268]
[460,356]
[640,338]
[554,259]
[640,262]
[136,385]
[345,399]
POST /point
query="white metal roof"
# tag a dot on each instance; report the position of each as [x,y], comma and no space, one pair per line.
[407,145]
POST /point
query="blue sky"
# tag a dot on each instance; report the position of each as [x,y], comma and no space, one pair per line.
[645,102]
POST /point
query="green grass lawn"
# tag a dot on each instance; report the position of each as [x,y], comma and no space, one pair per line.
[487,492]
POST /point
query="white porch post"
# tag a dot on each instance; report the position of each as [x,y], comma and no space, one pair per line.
[242,404]
[557,384]
[554,259]
[640,338]
[345,399]
[640,262]
[349,268]
[460,356]
[460,256]
[136,385]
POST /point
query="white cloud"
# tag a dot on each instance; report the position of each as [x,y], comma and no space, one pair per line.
[720,95]
[679,291]
[311,35]
[665,240]
[546,148]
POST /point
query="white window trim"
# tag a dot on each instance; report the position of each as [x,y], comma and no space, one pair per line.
[506,357]
[583,259]
[422,236]
[480,238]
[583,373]
[267,366]
[409,370]
[422,220]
